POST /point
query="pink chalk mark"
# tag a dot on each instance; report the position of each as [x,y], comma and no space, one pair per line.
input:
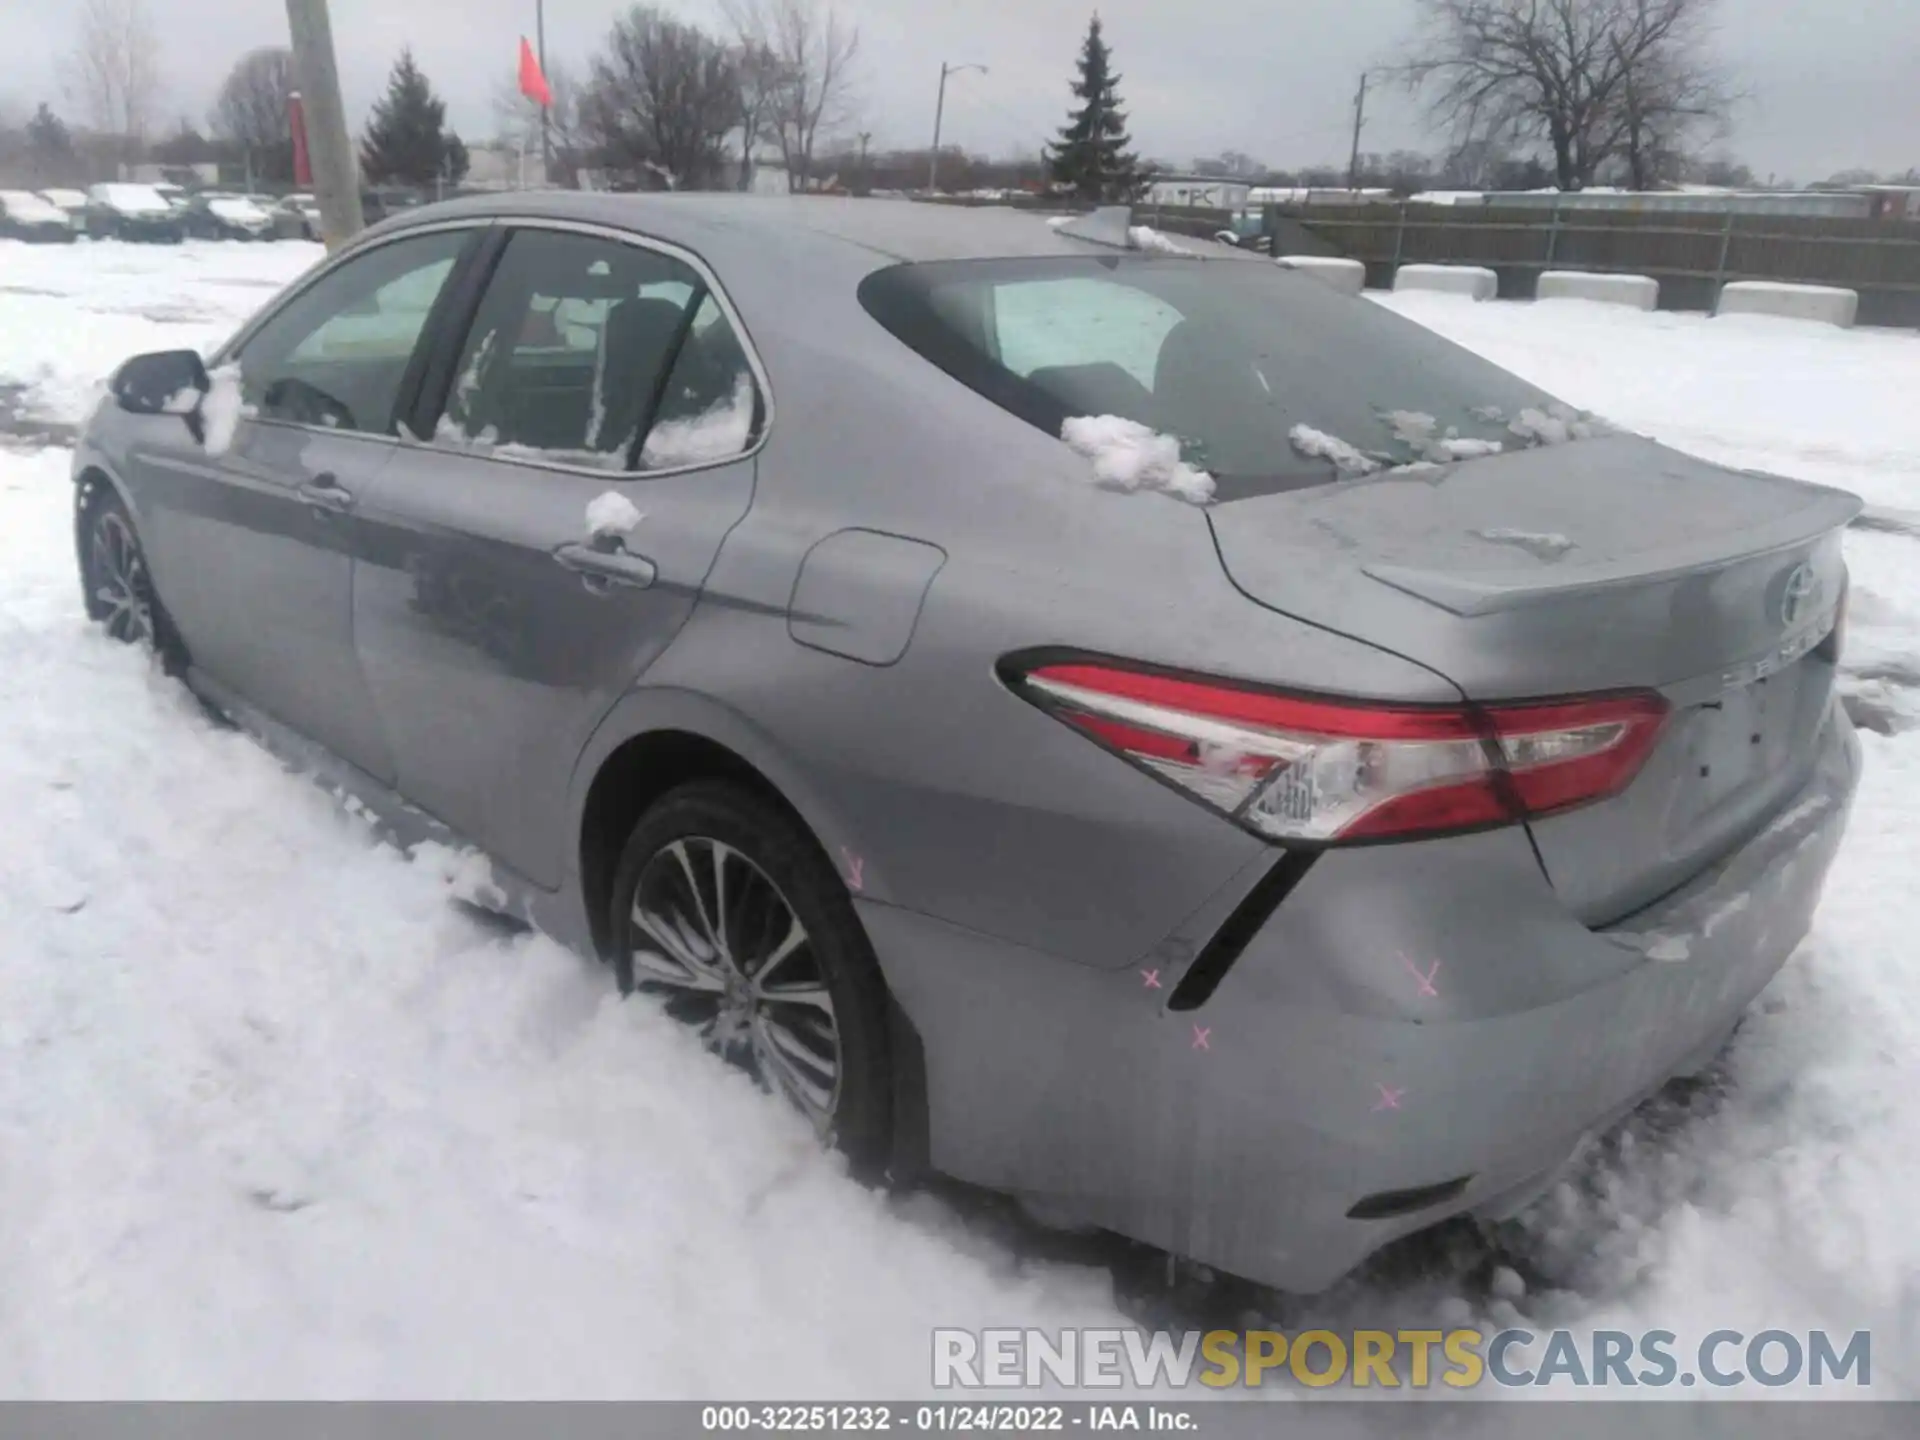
[855,865]
[1424,981]
[1389,1099]
[1200,1038]
[1153,979]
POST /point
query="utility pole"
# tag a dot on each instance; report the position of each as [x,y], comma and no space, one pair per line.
[1359,120]
[865,178]
[336,178]
[939,113]
[546,111]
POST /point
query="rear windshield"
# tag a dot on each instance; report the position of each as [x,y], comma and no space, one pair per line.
[1231,358]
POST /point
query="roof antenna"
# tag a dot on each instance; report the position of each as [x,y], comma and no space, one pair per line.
[1109,225]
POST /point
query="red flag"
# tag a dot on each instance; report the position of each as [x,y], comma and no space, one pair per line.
[302,165]
[533,84]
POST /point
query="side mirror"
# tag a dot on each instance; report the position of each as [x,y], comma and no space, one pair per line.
[162,383]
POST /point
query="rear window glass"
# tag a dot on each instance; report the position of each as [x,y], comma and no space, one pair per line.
[1233,359]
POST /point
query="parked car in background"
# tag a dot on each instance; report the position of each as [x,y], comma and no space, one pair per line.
[119,210]
[71,203]
[26,216]
[298,217]
[215,216]
[175,195]
[377,205]
[1264,877]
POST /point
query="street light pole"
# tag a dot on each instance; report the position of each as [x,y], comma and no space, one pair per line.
[336,179]
[939,113]
[546,111]
[1359,120]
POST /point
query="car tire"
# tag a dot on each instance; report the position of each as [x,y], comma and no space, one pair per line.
[116,584]
[779,885]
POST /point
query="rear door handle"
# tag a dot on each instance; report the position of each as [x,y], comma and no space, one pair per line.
[323,492]
[614,567]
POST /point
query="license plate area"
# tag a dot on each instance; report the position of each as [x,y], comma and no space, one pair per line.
[1736,743]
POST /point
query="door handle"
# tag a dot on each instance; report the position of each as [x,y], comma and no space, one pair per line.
[323,492]
[615,567]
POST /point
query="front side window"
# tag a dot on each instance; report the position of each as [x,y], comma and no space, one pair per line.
[336,355]
[1258,373]
[586,352]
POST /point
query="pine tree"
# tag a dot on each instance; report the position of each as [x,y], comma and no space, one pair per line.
[1093,156]
[406,139]
[47,139]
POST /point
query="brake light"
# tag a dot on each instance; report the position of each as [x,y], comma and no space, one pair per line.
[1325,770]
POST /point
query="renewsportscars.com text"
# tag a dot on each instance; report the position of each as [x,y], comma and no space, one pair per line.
[1391,1359]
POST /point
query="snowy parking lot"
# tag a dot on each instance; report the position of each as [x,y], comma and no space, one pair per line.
[279,1118]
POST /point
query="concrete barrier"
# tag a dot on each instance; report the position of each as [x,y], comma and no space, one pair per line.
[1349,277]
[1449,280]
[1640,292]
[1823,303]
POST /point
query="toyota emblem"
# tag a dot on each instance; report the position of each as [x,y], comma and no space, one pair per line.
[1800,596]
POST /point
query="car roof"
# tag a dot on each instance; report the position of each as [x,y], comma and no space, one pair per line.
[890,230]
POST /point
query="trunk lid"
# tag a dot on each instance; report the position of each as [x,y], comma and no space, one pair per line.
[1606,564]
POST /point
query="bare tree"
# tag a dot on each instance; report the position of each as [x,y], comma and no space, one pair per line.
[1563,72]
[663,97]
[812,55]
[1671,98]
[760,82]
[252,111]
[114,69]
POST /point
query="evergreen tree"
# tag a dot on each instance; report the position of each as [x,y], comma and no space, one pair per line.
[406,140]
[47,139]
[1093,156]
[458,160]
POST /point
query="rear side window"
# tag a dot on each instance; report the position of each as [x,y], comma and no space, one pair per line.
[1231,358]
[589,353]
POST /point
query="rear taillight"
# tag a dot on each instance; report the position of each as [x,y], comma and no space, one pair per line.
[1325,770]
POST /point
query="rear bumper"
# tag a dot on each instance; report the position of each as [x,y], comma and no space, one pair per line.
[1420,1018]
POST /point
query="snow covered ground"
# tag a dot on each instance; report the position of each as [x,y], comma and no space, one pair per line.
[277,1118]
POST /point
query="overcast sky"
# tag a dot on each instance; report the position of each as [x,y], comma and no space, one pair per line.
[1831,85]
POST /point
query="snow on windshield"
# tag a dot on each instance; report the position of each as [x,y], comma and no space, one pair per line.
[236,210]
[1424,448]
[1348,459]
[1129,456]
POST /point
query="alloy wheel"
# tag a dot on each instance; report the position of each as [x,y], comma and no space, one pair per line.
[121,586]
[714,933]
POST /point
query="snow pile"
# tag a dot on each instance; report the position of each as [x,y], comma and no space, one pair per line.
[1820,304]
[612,516]
[721,431]
[1348,459]
[1129,456]
[1349,277]
[1145,238]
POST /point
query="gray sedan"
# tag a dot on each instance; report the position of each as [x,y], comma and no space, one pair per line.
[1097,716]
